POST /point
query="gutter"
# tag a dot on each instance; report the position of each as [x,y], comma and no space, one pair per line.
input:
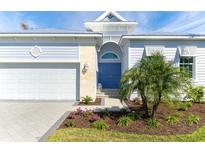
[161,37]
[97,35]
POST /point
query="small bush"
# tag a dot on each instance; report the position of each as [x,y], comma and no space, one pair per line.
[83,113]
[72,115]
[135,116]
[189,104]
[87,113]
[195,94]
[174,118]
[94,117]
[123,121]
[79,111]
[123,111]
[153,123]
[192,119]
[105,112]
[183,106]
[99,124]
[87,99]
[69,123]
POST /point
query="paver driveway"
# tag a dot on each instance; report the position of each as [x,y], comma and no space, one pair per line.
[29,121]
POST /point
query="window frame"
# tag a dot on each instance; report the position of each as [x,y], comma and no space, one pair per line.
[110,60]
[194,68]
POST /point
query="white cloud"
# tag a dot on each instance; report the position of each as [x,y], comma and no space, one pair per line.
[75,20]
[10,21]
[142,18]
[189,22]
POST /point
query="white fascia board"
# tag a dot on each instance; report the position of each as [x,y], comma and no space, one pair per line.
[155,37]
[50,35]
[112,23]
[151,37]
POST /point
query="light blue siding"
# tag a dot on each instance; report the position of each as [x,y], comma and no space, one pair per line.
[50,53]
[136,51]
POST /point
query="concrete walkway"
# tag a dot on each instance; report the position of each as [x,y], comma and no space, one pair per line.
[31,121]
[113,104]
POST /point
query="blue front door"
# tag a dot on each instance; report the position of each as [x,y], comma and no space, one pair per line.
[109,75]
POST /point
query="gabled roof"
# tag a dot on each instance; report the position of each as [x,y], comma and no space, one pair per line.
[110,16]
[49,33]
[46,31]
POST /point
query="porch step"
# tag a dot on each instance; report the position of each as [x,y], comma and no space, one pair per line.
[108,93]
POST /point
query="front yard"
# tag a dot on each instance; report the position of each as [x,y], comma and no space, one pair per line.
[78,126]
[94,135]
[158,114]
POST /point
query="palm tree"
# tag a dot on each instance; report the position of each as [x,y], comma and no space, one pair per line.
[131,81]
[153,79]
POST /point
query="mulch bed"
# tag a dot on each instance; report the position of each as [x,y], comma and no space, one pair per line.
[96,102]
[140,127]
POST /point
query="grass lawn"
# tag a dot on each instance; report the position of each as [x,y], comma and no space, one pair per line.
[94,135]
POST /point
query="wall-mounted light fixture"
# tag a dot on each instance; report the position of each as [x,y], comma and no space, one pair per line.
[85,68]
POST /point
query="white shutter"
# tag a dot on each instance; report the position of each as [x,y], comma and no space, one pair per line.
[188,51]
[149,50]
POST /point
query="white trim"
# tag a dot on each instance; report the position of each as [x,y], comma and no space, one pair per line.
[96,61]
[49,35]
[102,16]
[112,23]
[159,37]
[35,55]
[78,45]
[129,56]
[109,41]
[118,60]
[99,50]
[195,69]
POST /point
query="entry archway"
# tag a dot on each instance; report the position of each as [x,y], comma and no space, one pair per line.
[109,65]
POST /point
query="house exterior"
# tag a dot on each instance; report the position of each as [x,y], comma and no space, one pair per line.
[64,66]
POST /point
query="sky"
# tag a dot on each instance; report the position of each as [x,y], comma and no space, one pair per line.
[148,22]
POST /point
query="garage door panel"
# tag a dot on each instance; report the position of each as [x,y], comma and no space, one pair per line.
[39,83]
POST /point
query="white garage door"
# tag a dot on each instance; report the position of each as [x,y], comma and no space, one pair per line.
[39,81]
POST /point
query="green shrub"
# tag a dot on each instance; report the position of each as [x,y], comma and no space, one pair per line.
[192,119]
[189,104]
[135,116]
[70,123]
[123,121]
[183,106]
[87,99]
[105,112]
[195,94]
[174,118]
[153,123]
[99,124]
[123,111]
[87,114]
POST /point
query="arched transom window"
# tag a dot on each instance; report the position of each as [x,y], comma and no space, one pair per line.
[109,57]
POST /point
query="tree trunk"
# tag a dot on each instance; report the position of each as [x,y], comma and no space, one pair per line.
[145,107]
[155,106]
[154,109]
